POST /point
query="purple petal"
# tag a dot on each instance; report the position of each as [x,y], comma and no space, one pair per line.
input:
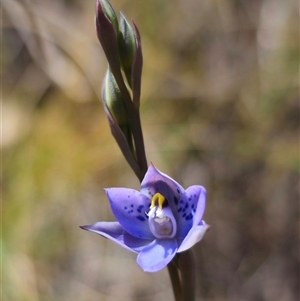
[157,255]
[115,232]
[129,207]
[190,209]
[194,236]
[155,181]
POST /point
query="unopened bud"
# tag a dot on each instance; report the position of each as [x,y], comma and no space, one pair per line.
[107,31]
[109,13]
[127,47]
[114,99]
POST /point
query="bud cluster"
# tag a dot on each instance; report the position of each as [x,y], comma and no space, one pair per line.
[122,83]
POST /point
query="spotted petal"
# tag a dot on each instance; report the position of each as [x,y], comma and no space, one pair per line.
[157,255]
[190,209]
[115,232]
[129,207]
[195,235]
[156,181]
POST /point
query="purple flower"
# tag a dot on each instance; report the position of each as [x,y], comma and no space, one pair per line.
[157,222]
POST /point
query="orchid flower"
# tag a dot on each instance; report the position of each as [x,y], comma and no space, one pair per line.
[157,222]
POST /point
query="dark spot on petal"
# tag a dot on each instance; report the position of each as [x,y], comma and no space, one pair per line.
[181,202]
[128,196]
[131,205]
[188,217]
[194,210]
[184,215]
[195,196]
[193,206]
[186,205]
[140,208]
[190,198]
[178,190]
[175,200]
[180,209]
[141,218]
[125,208]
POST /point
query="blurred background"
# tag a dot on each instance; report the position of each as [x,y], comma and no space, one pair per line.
[219,108]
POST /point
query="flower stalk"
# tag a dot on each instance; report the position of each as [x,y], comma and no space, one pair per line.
[175,280]
[163,233]
[187,269]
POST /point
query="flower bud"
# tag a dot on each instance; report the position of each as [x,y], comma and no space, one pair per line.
[127,47]
[107,32]
[109,13]
[114,99]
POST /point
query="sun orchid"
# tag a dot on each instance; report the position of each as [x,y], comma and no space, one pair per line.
[157,222]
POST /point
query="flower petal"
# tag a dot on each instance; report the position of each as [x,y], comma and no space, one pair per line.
[157,255]
[115,232]
[190,209]
[156,181]
[129,206]
[194,236]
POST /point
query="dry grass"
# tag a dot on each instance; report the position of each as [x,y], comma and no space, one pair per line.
[219,108]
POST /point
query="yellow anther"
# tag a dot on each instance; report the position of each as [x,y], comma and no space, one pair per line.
[158,199]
